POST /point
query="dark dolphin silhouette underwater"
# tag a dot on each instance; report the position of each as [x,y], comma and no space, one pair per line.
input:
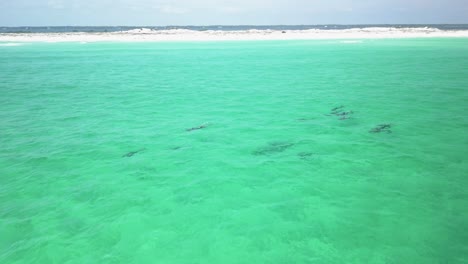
[305,155]
[381,128]
[196,128]
[131,153]
[273,147]
[340,112]
[336,109]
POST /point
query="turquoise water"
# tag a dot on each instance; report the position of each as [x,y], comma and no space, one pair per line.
[97,165]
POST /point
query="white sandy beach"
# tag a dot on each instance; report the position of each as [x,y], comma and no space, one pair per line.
[145,34]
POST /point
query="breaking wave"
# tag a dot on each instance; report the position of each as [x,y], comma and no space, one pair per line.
[10,44]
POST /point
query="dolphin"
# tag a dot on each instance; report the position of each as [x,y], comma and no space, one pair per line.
[131,153]
[344,113]
[196,128]
[337,108]
[381,128]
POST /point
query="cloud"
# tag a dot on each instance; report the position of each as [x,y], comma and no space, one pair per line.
[162,12]
[230,9]
[56,4]
[168,9]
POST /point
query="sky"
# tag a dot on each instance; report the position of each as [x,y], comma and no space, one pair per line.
[229,12]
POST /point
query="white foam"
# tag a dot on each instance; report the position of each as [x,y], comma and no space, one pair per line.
[11,44]
[351,41]
[138,31]
[146,34]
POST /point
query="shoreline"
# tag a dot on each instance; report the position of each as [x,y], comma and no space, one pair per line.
[148,35]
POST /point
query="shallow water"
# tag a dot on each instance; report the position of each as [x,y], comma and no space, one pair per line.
[97,165]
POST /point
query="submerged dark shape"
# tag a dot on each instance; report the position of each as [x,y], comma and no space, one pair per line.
[196,128]
[274,147]
[305,155]
[131,153]
[344,113]
[341,113]
[334,110]
[381,128]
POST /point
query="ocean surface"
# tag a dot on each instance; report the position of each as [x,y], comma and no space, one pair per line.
[102,29]
[321,151]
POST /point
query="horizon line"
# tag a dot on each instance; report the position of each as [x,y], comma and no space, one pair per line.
[235,25]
